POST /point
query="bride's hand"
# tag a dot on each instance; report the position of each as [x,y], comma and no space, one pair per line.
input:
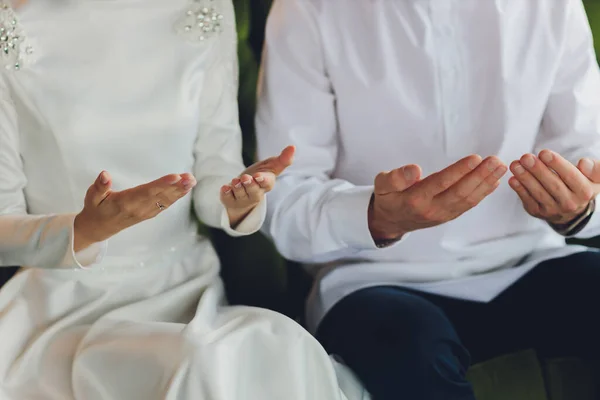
[246,191]
[107,212]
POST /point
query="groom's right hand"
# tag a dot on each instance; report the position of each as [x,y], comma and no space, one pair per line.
[403,202]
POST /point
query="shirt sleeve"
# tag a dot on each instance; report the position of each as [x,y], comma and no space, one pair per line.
[311,217]
[218,148]
[571,123]
[43,241]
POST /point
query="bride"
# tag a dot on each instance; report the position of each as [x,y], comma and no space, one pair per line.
[118,297]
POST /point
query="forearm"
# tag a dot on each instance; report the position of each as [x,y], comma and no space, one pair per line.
[319,221]
[44,241]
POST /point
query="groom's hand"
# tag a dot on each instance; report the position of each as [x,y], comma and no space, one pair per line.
[403,202]
[553,189]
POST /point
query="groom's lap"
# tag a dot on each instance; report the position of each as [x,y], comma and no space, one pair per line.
[389,335]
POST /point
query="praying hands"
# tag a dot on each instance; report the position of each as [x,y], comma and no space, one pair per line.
[553,189]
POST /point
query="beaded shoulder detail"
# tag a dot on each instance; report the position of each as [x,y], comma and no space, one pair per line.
[14,47]
[202,20]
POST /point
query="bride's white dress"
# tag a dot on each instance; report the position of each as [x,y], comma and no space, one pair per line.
[141,88]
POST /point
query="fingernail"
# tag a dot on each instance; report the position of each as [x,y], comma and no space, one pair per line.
[227,191]
[238,185]
[519,169]
[409,174]
[528,161]
[587,166]
[500,171]
[103,178]
[546,156]
[516,183]
[474,162]
[259,179]
[246,183]
[492,164]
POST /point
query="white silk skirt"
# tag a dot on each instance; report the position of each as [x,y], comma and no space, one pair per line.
[161,331]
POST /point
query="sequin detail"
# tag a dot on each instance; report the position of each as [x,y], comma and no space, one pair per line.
[13,44]
[201,21]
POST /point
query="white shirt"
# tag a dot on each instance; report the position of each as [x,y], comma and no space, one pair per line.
[367,86]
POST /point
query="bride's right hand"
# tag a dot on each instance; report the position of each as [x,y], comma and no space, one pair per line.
[107,212]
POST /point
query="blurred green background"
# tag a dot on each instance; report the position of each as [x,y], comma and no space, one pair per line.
[593,10]
[255,275]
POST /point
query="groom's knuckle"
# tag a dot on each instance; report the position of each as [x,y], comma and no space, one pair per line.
[555,186]
[569,206]
[588,193]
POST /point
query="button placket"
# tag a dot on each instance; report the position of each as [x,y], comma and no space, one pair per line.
[448,73]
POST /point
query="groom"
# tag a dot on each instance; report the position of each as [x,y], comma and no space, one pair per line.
[425,263]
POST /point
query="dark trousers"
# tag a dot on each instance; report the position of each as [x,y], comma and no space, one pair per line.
[404,344]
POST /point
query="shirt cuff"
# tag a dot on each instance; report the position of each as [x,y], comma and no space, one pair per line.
[349,213]
[85,258]
[592,228]
[249,225]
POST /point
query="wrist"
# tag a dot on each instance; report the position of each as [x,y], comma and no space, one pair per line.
[83,235]
[576,224]
[237,215]
[380,228]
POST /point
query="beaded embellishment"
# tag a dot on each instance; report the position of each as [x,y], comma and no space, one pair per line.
[13,44]
[202,20]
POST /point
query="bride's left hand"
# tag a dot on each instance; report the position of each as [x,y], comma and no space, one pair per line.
[246,191]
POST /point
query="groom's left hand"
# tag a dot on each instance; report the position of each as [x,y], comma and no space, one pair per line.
[553,189]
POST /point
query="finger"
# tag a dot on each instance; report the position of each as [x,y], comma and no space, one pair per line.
[531,206]
[238,189]
[274,165]
[159,185]
[590,168]
[187,182]
[278,164]
[533,186]
[440,181]
[397,180]
[485,174]
[227,197]
[170,194]
[572,177]
[265,180]
[164,200]
[487,187]
[286,158]
[174,193]
[100,189]
[154,197]
[551,181]
[253,191]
